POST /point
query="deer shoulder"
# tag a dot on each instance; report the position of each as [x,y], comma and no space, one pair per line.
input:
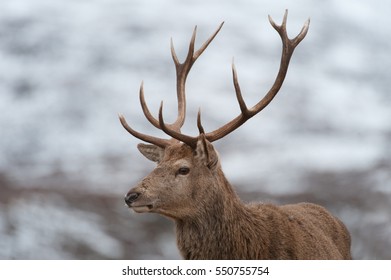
[308,227]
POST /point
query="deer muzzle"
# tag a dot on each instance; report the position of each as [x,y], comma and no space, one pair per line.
[132,200]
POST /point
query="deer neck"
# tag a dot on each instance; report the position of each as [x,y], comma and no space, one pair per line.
[206,235]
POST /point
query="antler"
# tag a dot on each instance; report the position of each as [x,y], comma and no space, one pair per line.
[288,46]
[182,70]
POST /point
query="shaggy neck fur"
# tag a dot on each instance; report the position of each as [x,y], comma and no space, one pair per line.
[218,231]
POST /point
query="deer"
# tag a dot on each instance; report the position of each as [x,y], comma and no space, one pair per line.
[189,187]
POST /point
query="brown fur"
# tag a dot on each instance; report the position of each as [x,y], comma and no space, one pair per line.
[213,223]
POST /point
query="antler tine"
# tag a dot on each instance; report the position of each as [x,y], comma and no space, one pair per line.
[288,46]
[183,69]
[199,124]
[239,97]
[207,42]
[146,111]
[144,137]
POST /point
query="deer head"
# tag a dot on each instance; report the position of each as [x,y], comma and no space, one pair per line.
[188,175]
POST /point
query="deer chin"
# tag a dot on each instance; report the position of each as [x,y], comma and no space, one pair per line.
[142,208]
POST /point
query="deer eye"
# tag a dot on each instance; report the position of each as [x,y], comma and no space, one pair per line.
[183,171]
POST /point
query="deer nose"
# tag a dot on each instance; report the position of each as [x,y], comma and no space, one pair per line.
[131,197]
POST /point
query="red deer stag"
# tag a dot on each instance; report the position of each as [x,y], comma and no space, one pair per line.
[189,186]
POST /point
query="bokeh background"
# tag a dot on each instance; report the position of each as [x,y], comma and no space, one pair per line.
[68,67]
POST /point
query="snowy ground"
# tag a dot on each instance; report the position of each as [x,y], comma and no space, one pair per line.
[67,68]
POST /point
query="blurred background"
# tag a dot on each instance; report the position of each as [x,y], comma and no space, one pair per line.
[68,67]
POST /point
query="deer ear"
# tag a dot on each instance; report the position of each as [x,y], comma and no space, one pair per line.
[206,154]
[151,152]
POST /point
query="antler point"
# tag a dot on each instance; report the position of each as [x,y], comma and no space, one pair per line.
[199,124]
